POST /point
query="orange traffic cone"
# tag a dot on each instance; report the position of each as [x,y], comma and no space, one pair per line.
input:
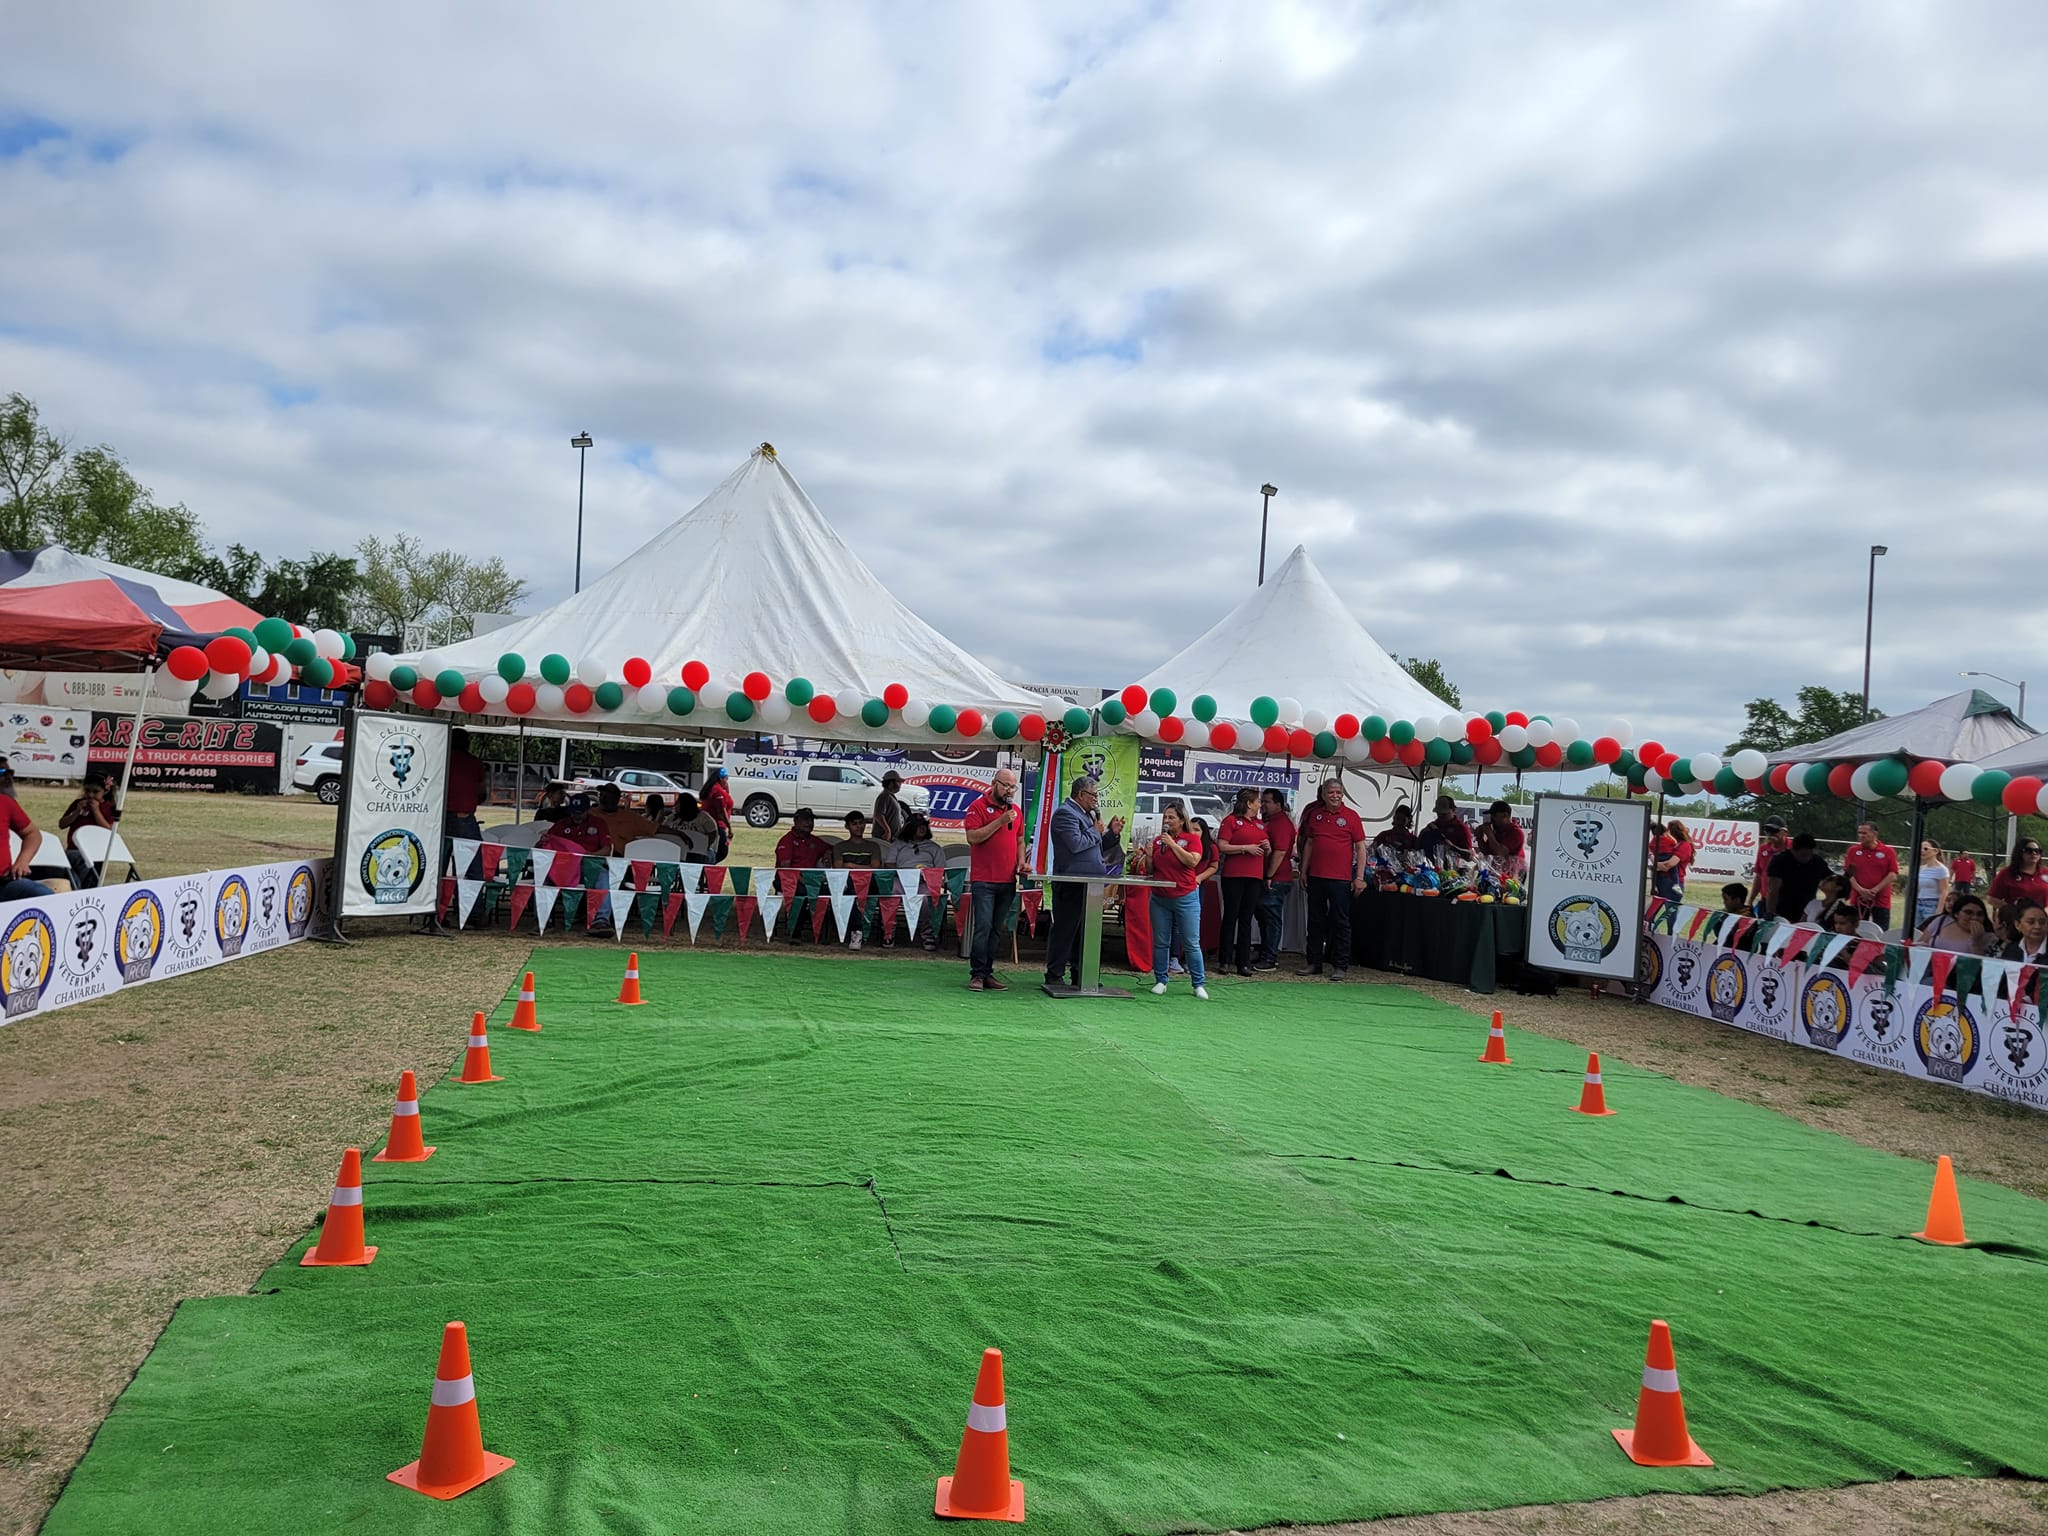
[526,1015]
[1592,1097]
[1496,1042]
[629,989]
[341,1234]
[403,1144]
[980,1487]
[452,1458]
[476,1061]
[1944,1210]
[1659,1438]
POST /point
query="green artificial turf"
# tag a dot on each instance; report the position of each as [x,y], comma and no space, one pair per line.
[728,1262]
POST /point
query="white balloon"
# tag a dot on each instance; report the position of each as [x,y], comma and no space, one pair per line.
[1956,780]
[590,671]
[917,714]
[1314,720]
[1196,735]
[848,702]
[219,685]
[259,659]
[547,699]
[1749,763]
[328,644]
[1859,782]
[432,664]
[1427,728]
[1290,711]
[378,668]
[1145,723]
[1355,749]
[773,710]
[1567,730]
[1705,765]
[493,688]
[1541,733]
[1624,733]
[2040,800]
[1513,738]
[651,698]
[169,687]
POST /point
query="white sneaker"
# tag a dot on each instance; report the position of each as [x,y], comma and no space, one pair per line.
[1159,989]
[854,941]
[1202,993]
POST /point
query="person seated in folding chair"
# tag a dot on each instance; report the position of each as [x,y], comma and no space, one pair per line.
[581,831]
[91,809]
[914,853]
[799,848]
[856,851]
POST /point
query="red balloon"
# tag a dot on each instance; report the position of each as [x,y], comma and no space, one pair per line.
[1650,752]
[756,686]
[1134,698]
[1223,735]
[1838,780]
[1924,779]
[636,672]
[896,696]
[228,654]
[1755,786]
[969,723]
[519,698]
[1486,753]
[695,676]
[1274,738]
[1346,727]
[2022,794]
[379,695]
[1606,750]
[1031,727]
[471,699]
[1171,728]
[1549,755]
[577,697]
[1300,743]
[1776,779]
[1515,717]
[1382,751]
[821,708]
[1414,754]
[425,694]
[187,663]
[1478,729]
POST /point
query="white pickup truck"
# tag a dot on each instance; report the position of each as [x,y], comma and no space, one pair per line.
[766,789]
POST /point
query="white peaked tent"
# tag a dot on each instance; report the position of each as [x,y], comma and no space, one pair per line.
[751,579]
[1294,638]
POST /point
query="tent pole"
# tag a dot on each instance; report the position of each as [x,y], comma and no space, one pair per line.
[99,868]
[1912,891]
[519,780]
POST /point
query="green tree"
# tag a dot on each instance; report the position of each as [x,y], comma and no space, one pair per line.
[31,463]
[1823,712]
[405,586]
[237,574]
[319,591]
[1430,674]
[100,509]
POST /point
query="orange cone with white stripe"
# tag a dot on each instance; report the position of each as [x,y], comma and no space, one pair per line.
[452,1458]
[404,1144]
[476,1061]
[1944,1210]
[526,1015]
[1496,1042]
[1592,1096]
[341,1234]
[1659,1438]
[980,1487]
[629,989]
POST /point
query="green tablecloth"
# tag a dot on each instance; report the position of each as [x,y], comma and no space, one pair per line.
[1456,941]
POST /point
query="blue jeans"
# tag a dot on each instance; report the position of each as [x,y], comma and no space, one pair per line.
[21,890]
[992,900]
[1272,910]
[1177,926]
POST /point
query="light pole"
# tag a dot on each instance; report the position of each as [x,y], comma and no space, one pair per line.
[1266,493]
[1869,613]
[2012,823]
[583,442]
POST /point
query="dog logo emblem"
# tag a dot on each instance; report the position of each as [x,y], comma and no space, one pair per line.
[1727,988]
[231,915]
[393,866]
[1947,1038]
[138,935]
[1824,1010]
[298,901]
[1584,929]
[28,948]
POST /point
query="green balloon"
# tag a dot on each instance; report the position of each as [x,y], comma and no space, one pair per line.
[348,646]
[738,706]
[448,682]
[1326,744]
[1265,711]
[1729,783]
[1638,776]
[1682,770]
[1004,725]
[1113,712]
[1496,719]
[1816,781]
[300,651]
[944,718]
[1673,786]
[1523,757]
[246,635]
[273,635]
[1204,707]
[1163,701]
[555,669]
[1887,776]
[320,672]
[405,678]
[1401,732]
[609,695]
[1626,763]
[1076,721]
[1579,754]
[512,666]
[874,712]
[798,691]
[1436,753]
[681,701]
[1988,788]
[1373,728]
[1462,753]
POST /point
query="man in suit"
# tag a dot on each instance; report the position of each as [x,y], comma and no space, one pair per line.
[1081,845]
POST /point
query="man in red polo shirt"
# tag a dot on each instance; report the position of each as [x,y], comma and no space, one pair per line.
[801,848]
[993,863]
[1774,841]
[1871,867]
[1331,855]
[1279,877]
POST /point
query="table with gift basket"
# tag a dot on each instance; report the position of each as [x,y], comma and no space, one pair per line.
[1441,913]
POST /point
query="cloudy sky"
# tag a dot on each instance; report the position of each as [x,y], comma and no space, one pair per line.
[1591,345]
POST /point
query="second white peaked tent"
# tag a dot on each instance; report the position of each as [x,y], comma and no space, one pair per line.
[751,579]
[1294,638]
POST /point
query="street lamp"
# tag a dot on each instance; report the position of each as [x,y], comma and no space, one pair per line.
[583,442]
[1869,612]
[1267,492]
[2010,684]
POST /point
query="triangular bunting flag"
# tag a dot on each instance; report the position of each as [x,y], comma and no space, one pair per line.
[770,906]
[1733,934]
[467,889]
[891,906]
[618,869]
[842,911]
[862,881]
[721,914]
[543,865]
[1940,962]
[2023,986]
[762,880]
[669,909]
[817,917]
[887,881]
[913,908]
[1034,898]
[1655,909]
[647,904]
[464,850]
[492,858]
[1862,957]
[447,895]
[643,873]
[743,909]
[1994,975]
[1917,957]
[1835,945]
[1694,918]
[572,905]
[714,878]
[835,881]
[517,862]
[522,898]
[934,881]
[787,879]
[740,881]
[545,896]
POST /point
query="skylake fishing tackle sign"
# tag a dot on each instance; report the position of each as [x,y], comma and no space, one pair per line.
[390,853]
[1587,862]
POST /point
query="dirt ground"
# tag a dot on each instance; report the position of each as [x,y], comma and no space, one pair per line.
[172,1141]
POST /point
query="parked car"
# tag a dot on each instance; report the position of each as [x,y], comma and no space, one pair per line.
[635,785]
[319,769]
[766,790]
[1145,815]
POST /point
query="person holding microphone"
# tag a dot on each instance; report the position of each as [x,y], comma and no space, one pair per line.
[994,861]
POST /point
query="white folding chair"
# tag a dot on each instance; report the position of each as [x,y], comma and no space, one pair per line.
[103,848]
[524,835]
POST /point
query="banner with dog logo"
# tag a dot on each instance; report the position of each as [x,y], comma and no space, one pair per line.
[394,812]
[1587,872]
[70,948]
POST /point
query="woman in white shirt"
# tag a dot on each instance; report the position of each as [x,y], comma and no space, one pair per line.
[916,851]
[1965,931]
[1932,896]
